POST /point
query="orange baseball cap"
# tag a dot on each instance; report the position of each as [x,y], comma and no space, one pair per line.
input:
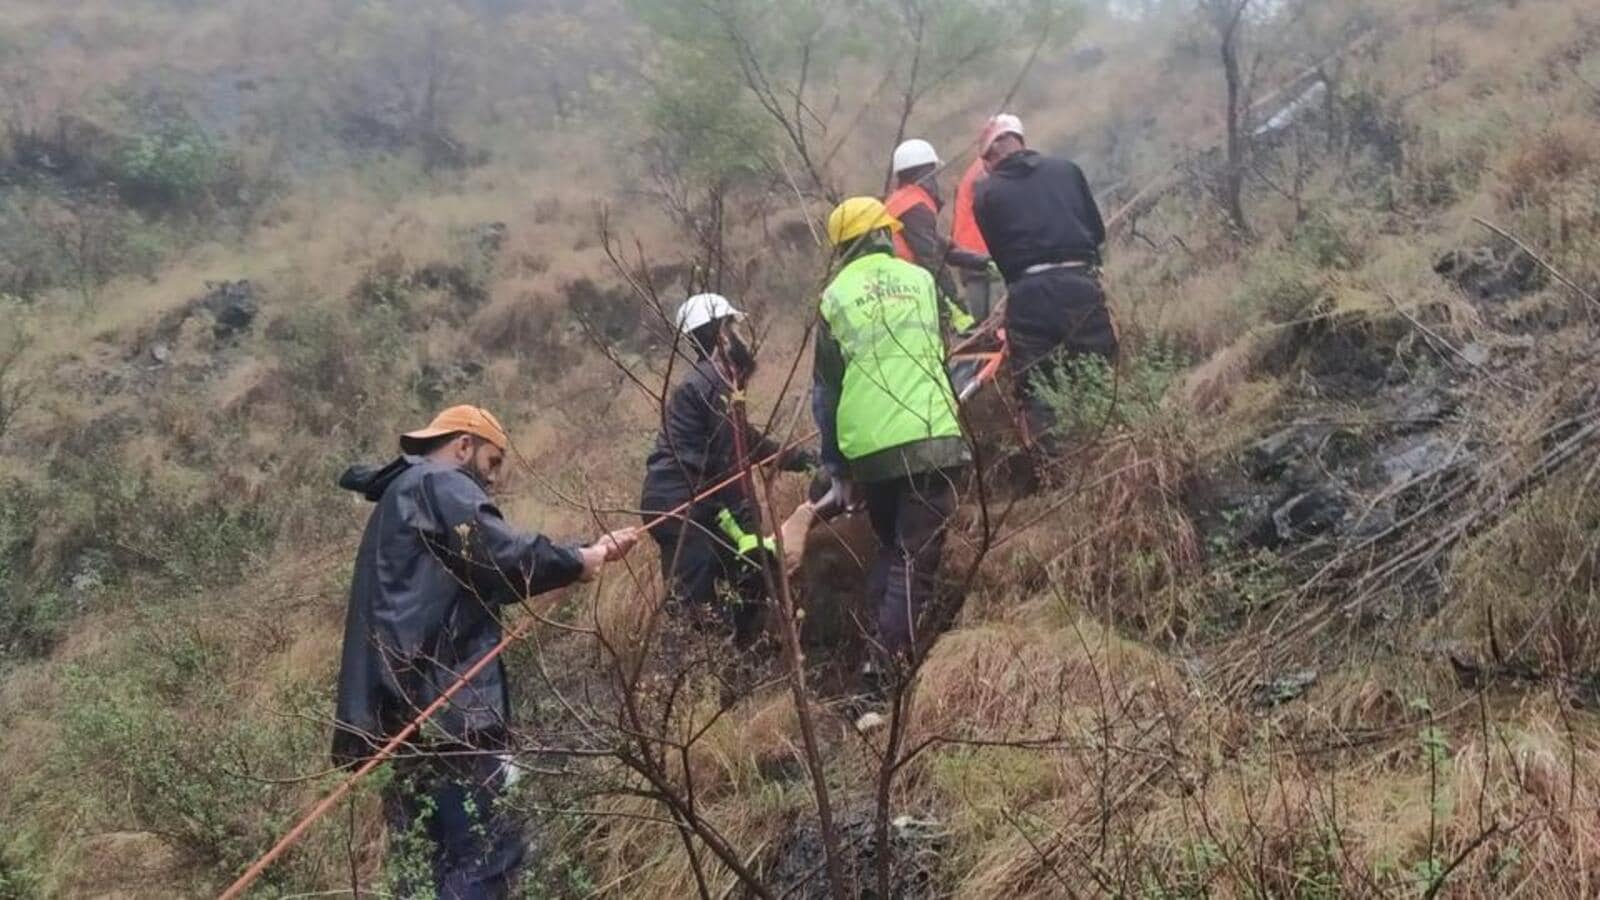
[472,420]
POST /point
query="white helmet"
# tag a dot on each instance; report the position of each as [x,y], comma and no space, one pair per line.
[996,128]
[913,153]
[702,309]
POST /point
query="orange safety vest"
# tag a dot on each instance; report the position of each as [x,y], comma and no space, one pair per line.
[964,231]
[897,204]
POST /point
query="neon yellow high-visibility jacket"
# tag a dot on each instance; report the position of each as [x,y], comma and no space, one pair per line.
[881,372]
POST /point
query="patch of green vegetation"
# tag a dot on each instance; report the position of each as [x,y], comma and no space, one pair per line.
[76,243]
[1324,243]
[32,615]
[146,742]
[172,163]
[18,880]
[1089,394]
[1281,287]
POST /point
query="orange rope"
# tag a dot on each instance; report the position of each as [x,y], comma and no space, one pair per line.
[522,628]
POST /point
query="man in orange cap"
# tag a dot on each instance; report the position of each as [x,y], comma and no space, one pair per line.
[436,563]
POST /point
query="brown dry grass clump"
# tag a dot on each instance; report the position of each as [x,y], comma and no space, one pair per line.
[1113,537]
[1527,592]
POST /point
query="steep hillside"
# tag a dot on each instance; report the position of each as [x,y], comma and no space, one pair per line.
[1310,609]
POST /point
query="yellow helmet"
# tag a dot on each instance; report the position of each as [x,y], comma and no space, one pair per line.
[857,216]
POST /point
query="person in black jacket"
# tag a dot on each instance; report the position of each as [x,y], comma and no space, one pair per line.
[708,579]
[436,563]
[1043,229]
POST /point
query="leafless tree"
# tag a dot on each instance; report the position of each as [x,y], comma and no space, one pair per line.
[1228,18]
[18,383]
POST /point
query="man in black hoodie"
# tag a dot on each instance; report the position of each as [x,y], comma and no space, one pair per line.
[1043,229]
[436,563]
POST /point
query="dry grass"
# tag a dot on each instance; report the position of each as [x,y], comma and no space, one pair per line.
[1117,776]
[1526,590]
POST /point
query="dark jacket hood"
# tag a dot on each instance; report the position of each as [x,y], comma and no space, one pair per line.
[1018,164]
[371,481]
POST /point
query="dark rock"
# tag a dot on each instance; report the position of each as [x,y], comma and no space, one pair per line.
[1372,522]
[795,234]
[800,868]
[1272,455]
[452,279]
[489,237]
[1086,58]
[436,384]
[232,304]
[1302,515]
[1280,690]
[1495,272]
[1416,460]
[1318,444]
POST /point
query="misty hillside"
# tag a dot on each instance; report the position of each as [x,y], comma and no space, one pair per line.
[1309,609]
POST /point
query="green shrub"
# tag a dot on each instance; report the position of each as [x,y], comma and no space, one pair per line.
[1321,242]
[73,242]
[1089,395]
[189,539]
[17,878]
[172,164]
[1279,287]
[193,772]
[172,774]
[32,615]
[333,390]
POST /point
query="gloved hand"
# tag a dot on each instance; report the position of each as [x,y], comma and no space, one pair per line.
[842,497]
[799,459]
[961,321]
[994,269]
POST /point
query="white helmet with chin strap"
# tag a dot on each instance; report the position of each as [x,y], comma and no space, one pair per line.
[703,309]
[913,153]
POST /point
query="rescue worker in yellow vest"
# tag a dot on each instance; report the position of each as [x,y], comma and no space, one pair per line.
[915,204]
[888,419]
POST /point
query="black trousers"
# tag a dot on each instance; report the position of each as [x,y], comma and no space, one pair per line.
[1056,314]
[447,838]
[909,516]
[709,583]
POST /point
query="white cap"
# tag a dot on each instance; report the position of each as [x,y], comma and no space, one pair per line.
[913,153]
[1003,124]
[704,308]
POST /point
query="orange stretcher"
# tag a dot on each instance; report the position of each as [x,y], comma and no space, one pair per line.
[972,365]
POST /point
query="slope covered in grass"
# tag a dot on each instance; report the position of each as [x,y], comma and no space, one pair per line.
[1308,611]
